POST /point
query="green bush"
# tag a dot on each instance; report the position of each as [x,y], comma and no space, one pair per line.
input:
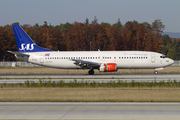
[94,84]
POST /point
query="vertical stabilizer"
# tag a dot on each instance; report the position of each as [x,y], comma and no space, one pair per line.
[24,42]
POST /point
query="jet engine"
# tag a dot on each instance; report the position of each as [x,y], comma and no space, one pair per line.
[108,67]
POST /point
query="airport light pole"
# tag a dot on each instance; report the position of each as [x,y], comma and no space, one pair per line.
[90,46]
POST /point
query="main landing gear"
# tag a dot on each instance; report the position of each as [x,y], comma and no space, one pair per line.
[91,72]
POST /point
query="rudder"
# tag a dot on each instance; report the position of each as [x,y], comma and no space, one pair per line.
[24,42]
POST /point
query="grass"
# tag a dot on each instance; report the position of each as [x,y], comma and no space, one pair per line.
[154,94]
[84,91]
[44,70]
[93,84]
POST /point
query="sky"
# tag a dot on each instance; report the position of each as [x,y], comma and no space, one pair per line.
[56,12]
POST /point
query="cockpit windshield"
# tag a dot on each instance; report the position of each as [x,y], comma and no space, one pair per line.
[163,56]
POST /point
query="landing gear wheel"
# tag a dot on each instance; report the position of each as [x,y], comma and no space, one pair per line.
[156,72]
[91,72]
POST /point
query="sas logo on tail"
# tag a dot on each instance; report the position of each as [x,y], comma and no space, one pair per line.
[27,47]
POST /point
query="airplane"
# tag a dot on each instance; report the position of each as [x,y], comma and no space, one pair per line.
[104,61]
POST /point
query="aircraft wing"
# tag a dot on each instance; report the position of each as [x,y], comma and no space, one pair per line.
[86,64]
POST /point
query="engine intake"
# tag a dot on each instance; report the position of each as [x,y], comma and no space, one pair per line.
[108,67]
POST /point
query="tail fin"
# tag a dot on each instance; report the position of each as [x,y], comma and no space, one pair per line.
[24,42]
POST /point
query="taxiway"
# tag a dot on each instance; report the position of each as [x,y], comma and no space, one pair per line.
[88,111]
[98,78]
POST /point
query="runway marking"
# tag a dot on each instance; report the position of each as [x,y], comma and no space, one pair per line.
[90,106]
[89,118]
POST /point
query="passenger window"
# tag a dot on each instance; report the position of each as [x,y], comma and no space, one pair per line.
[114,57]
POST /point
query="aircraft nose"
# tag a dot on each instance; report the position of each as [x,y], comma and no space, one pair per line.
[171,61]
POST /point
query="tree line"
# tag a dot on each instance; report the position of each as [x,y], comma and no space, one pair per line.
[104,36]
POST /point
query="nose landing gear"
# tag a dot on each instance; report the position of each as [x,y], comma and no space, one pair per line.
[91,72]
[155,72]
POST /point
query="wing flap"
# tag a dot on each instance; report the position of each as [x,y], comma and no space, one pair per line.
[86,64]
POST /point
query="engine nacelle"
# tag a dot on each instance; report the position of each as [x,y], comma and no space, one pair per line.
[108,67]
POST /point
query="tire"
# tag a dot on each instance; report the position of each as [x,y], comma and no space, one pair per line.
[91,72]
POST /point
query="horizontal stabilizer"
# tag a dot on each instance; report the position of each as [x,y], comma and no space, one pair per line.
[18,53]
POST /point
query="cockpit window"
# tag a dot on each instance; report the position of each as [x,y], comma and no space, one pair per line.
[163,56]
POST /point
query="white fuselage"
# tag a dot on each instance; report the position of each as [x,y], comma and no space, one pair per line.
[123,59]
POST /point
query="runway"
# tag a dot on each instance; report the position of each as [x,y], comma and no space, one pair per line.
[88,111]
[98,78]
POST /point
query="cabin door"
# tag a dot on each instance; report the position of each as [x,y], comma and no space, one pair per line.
[41,59]
[152,58]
